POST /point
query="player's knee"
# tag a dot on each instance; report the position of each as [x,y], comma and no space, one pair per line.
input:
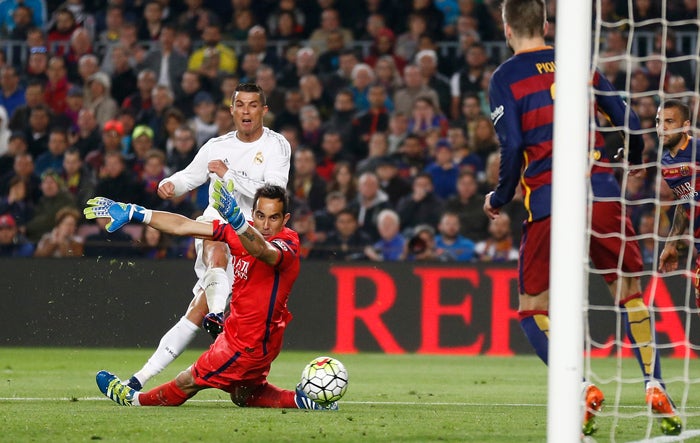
[217,255]
[240,395]
[185,381]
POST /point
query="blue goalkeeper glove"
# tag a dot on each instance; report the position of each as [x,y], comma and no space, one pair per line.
[118,213]
[226,204]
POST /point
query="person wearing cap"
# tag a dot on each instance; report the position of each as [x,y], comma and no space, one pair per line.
[250,156]
[141,143]
[112,134]
[54,197]
[12,242]
[101,102]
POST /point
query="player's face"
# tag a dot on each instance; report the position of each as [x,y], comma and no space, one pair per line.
[268,217]
[248,112]
[670,127]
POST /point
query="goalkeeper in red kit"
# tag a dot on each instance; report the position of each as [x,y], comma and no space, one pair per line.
[521,96]
[266,264]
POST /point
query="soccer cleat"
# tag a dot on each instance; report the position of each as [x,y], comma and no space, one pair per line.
[304,402]
[214,324]
[594,399]
[112,387]
[663,406]
[133,383]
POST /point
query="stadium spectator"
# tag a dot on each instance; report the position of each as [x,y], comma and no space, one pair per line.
[62,241]
[12,242]
[287,20]
[426,117]
[22,168]
[256,44]
[116,180]
[383,46]
[313,93]
[80,45]
[54,197]
[203,121]
[305,61]
[154,244]
[101,102]
[371,121]
[287,28]
[391,245]
[265,77]
[151,22]
[53,157]
[369,202]
[468,79]
[411,157]
[37,132]
[153,172]
[113,22]
[11,92]
[345,242]
[443,170]
[60,29]
[213,55]
[330,22]
[116,244]
[467,203]
[289,116]
[111,134]
[324,219]
[499,245]
[167,63]
[17,202]
[79,181]
[343,179]
[449,243]
[341,78]
[305,185]
[427,61]
[174,118]
[422,206]
[414,87]
[141,143]
[57,85]
[140,102]
[36,66]
[311,132]
[123,79]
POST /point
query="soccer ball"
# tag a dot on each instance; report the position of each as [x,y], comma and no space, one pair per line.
[324,380]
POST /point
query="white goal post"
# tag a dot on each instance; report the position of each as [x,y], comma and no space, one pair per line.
[568,280]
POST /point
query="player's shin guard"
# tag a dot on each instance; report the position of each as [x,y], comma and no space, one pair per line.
[535,324]
[641,335]
[217,287]
[164,395]
[170,347]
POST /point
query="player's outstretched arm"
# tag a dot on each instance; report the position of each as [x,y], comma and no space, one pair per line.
[122,213]
[251,239]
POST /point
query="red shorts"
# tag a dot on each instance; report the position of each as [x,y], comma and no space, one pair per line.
[226,368]
[610,252]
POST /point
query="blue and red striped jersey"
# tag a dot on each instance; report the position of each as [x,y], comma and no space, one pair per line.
[521,95]
[682,174]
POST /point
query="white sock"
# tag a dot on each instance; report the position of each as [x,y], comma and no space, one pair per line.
[216,288]
[170,347]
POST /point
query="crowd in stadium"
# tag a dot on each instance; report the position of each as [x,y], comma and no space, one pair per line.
[384,103]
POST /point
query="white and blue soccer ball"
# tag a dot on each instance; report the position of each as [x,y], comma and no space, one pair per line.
[324,380]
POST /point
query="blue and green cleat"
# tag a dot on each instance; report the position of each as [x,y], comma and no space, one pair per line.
[112,388]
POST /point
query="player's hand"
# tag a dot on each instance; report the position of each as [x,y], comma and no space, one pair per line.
[668,261]
[217,167]
[488,209]
[118,213]
[166,190]
[226,204]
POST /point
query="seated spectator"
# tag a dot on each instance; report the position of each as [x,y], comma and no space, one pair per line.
[395,186]
[450,243]
[468,204]
[392,244]
[16,144]
[444,170]
[22,168]
[54,198]
[343,180]
[112,134]
[152,174]
[345,242]
[17,203]
[313,93]
[185,148]
[498,247]
[425,117]
[331,155]
[153,243]
[422,206]
[325,218]
[12,242]
[53,158]
[117,181]
[203,123]
[421,245]
[80,182]
[305,184]
[141,144]
[303,223]
[88,135]
[62,240]
[104,244]
[369,202]
[378,147]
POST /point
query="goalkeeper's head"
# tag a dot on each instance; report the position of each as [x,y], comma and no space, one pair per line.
[270,209]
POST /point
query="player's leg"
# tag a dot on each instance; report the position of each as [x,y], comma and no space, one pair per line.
[173,343]
[533,309]
[608,253]
[173,393]
[216,283]
[266,395]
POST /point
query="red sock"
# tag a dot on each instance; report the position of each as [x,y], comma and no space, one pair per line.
[270,396]
[164,395]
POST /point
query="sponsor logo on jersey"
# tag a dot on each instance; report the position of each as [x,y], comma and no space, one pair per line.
[497,114]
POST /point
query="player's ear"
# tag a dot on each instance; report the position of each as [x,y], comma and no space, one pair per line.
[286,218]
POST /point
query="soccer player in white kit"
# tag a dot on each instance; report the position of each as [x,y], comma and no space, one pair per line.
[250,156]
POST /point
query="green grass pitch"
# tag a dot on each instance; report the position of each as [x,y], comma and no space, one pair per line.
[50,395]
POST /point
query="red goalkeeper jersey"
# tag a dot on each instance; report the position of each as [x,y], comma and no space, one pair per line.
[259,312]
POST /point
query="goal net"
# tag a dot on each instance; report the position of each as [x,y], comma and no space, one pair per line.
[649,52]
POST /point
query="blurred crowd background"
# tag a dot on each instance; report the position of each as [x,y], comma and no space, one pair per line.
[384,102]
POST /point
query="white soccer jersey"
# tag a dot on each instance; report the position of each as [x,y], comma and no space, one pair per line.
[250,165]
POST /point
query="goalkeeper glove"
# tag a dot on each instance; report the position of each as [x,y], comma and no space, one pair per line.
[118,213]
[226,204]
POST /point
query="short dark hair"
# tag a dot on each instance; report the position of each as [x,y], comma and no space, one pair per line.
[273,192]
[525,17]
[250,87]
[682,108]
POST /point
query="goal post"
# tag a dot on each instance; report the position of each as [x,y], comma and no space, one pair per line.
[568,280]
